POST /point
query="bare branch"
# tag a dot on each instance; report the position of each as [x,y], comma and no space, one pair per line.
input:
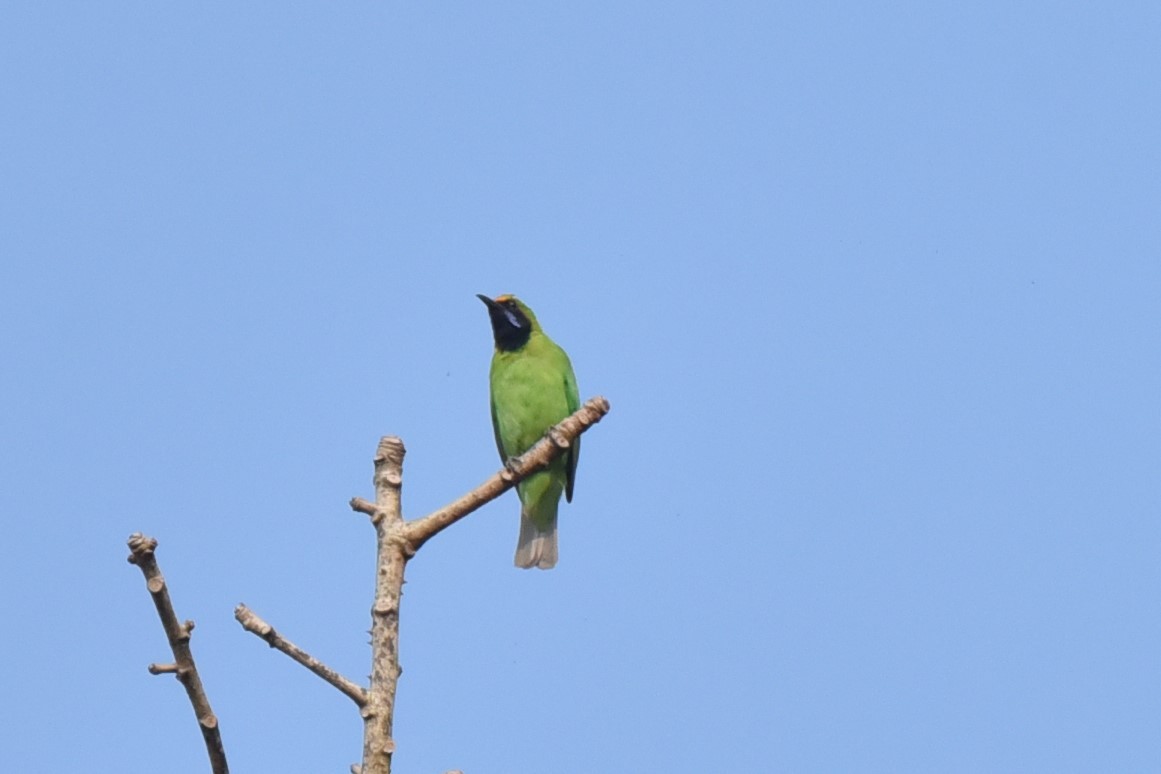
[555,441]
[362,506]
[254,624]
[142,550]
[391,560]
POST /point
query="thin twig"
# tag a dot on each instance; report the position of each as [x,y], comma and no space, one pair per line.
[141,553]
[254,624]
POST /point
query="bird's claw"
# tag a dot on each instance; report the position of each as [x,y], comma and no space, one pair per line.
[512,468]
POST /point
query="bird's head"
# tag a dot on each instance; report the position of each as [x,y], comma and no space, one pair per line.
[512,321]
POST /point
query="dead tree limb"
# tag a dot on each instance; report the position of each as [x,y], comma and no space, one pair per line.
[555,441]
[391,558]
[141,553]
[254,624]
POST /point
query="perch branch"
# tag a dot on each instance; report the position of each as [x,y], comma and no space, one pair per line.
[543,452]
[254,624]
[141,553]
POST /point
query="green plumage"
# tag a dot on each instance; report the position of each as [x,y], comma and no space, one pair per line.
[532,389]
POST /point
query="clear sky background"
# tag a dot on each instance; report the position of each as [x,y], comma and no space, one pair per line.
[873,293]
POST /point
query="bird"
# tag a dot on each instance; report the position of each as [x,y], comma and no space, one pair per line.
[533,387]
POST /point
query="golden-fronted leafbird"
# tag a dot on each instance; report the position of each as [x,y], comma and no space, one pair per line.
[533,388]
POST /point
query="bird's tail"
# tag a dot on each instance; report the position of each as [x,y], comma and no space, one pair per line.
[537,545]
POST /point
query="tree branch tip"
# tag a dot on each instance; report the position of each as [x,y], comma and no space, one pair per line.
[359,505]
[162,669]
[254,624]
[600,403]
[390,447]
[140,546]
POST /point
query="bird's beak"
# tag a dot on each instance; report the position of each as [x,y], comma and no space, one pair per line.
[500,315]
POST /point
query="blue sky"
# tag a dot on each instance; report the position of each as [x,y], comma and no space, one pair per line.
[873,292]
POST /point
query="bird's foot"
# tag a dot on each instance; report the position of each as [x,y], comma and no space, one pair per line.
[513,466]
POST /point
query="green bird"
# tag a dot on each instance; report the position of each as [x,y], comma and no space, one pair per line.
[533,388]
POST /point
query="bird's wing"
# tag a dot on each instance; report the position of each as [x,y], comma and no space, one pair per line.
[572,395]
[496,431]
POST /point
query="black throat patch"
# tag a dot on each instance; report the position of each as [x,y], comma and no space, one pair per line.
[511,328]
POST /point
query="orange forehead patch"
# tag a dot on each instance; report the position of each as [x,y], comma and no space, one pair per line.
[503,299]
